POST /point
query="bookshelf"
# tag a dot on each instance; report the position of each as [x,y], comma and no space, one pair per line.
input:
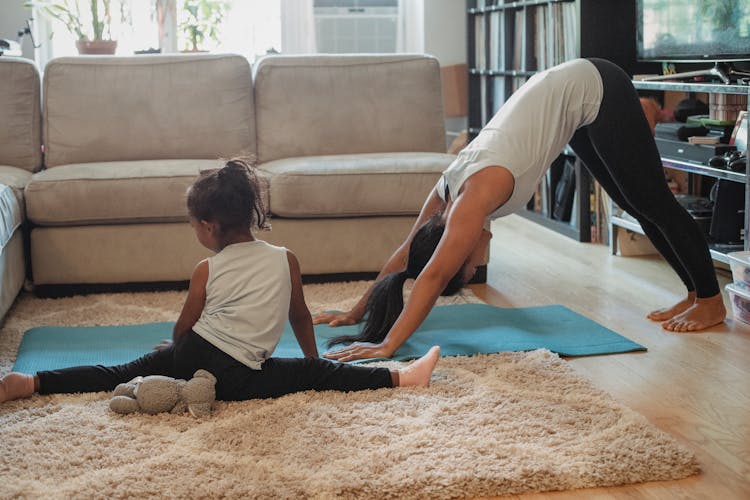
[509,41]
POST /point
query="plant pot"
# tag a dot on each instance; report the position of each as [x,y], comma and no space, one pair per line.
[97,47]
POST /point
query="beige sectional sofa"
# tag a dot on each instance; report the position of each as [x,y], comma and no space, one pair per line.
[20,155]
[349,146]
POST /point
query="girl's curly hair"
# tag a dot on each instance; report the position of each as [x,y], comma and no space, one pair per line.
[229,196]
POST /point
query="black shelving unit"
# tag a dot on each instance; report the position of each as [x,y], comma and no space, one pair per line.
[509,41]
[619,219]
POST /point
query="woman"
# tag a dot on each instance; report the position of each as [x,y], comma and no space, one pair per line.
[590,104]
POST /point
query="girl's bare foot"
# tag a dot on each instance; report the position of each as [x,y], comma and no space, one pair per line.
[419,372]
[671,312]
[703,314]
[16,385]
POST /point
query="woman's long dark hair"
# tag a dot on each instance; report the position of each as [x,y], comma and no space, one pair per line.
[387,298]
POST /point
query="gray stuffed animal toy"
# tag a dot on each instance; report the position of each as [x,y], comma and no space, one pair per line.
[156,394]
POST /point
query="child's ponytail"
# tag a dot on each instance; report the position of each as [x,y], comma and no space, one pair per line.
[240,174]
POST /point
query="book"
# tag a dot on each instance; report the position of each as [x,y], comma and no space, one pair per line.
[739,134]
[498,93]
[519,47]
[709,139]
[540,37]
[479,44]
[496,46]
[483,100]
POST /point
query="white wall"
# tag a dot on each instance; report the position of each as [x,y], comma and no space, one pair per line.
[445,38]
[13,16]
[445,30]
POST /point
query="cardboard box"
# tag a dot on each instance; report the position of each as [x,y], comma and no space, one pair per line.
[631,244]
[455,80]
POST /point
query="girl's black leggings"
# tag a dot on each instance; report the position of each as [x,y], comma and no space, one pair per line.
[235,381]
[619,151]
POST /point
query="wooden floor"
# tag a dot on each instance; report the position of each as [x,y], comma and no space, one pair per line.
[694,386]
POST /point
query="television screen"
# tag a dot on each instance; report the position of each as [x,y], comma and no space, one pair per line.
[693,30]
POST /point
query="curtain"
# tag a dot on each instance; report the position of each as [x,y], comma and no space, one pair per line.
[297,27]
[410,35]
[166,21]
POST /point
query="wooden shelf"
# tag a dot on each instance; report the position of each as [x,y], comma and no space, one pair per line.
[718,251]
[511,5]
[709,88]
[696,168]
[497,72]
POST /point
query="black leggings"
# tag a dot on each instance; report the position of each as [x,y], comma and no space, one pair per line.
[619,151]
[235,381]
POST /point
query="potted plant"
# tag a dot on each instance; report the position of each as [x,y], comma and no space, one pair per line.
[90,21]
[201,19]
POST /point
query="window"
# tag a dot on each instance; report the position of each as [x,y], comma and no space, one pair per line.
[249,27]
[252,27]
[356,26]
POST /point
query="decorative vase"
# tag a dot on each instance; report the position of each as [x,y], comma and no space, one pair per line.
[96,47]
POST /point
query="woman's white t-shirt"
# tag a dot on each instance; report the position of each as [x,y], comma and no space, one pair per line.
[530,130]
[247,301]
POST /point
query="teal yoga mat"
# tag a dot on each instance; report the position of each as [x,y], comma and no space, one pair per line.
[464,329]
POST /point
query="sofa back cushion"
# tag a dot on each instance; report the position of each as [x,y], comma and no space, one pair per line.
[100,109]
[347,104]
[20,116]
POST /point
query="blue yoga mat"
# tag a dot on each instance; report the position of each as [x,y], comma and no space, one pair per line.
[464,329]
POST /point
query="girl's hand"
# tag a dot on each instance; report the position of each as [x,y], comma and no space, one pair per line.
[163,345]
[336,318]
[360,350]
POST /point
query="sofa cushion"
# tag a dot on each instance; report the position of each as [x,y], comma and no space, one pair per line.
[101,108]
[20,115]
[16,178]
[113,192]
[12,271]
[129,253]
[347,104]
[353,185]
[11,214]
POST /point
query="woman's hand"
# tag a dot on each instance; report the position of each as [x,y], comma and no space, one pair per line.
[360,350]
[336,318]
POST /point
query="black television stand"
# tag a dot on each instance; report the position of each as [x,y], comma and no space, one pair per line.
[722,70]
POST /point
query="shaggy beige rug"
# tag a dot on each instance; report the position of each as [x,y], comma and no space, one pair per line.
[489,425]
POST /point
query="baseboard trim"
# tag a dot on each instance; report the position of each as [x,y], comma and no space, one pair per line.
[67,290]
[479,277]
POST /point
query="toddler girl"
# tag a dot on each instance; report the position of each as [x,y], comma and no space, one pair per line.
[237,305]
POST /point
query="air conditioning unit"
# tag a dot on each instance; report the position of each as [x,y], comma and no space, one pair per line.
[356,26]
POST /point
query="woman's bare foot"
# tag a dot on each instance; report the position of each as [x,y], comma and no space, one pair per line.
[419,372]
[703,314]
[670,312]
[16,385]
